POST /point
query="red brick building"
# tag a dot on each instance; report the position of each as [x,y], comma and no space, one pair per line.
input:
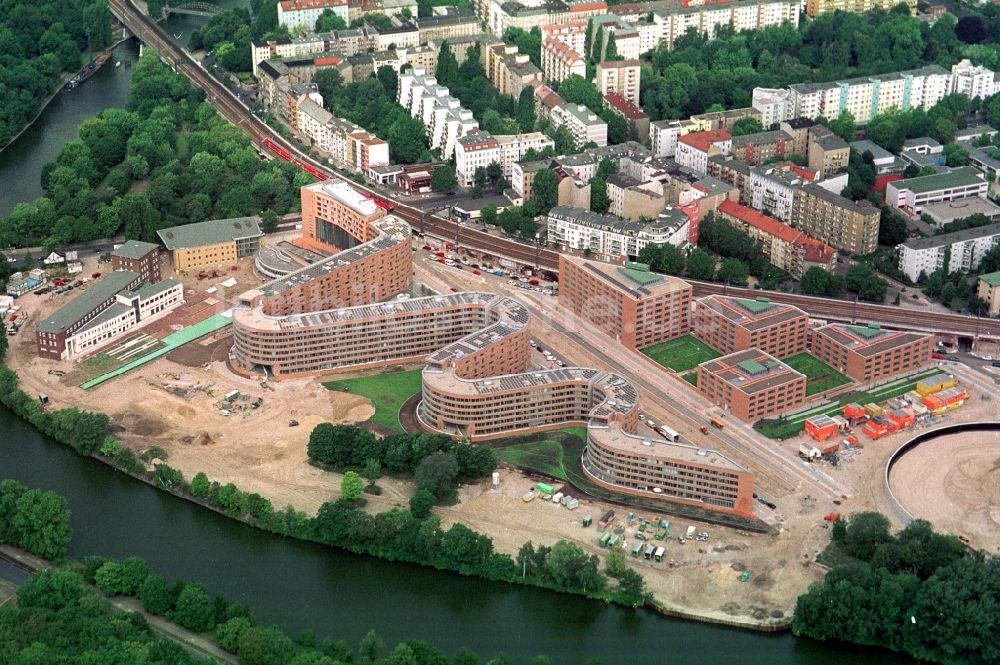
[735,324]
[142,258]
[869,354]
[751,385]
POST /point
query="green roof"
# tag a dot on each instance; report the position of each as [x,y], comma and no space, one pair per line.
[752,367]
[134,249]
[755,306]
[66,316]
[642,277]
[212,232]
[991,278]
[960,177]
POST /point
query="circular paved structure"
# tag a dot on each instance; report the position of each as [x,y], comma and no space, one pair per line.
[951,478]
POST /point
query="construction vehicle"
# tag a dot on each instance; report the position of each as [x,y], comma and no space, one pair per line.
[607,519]
[716,422]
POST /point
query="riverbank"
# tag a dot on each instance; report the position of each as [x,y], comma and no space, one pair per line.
[63,80]
[195,644]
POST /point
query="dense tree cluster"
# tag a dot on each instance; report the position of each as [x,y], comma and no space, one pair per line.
[862,280]
[917,592]
[192,164]
[819,282]
[227,34]
[467,82]
[39,40]
[34,520]
[435,460]
[699,73]
[371,104]
[954,290]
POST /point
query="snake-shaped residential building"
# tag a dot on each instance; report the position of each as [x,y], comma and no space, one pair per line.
[342,313]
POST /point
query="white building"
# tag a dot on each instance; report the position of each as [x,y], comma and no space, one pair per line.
[350,146]
[694,149]
[582,123]
[663,137]
[612,237]
[573,35]
[443,116]
[559,61]
[772,191]
[626,37]
[912,195]
[960,251]
[620,76]
[973,81]
[775,105]
[303,14]
[868,96]
[708,18]
[481,149]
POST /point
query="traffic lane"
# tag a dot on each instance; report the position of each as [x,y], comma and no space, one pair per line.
[13,573]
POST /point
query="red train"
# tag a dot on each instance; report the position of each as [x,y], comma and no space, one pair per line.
[268,144]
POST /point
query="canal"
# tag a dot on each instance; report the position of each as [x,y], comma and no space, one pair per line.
[303,586]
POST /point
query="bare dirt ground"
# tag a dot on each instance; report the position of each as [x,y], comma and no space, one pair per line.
[954,482]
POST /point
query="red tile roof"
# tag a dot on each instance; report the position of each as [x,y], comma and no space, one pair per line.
[627,108]
[702,141]
[815,250]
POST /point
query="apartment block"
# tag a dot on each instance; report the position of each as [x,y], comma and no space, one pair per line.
[694,149]
[613,237]
[816,7]
[626,37]
[733,172]
[827,153]
[664,135]
[671,20]
[868,96]
[632,114]
[729,324]
[620,77]
[510,70]
[573,35]
[628,303]
[869,354]
[704,122]
[774,104]
[751,385]
[973,81]
[988,289]
[772,189]
[527,14]
[634,200]
[139,257]
[913,195]
[785,247]
[583,124]
[798,129]
[443,116]
[960,251]
[837,221]
[104,311]
[303,14]
[211,243]
[482,149]
[757,149]
[335,216]
[559,61]
[446,23]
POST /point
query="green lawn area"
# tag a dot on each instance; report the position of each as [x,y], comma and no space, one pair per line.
[776,428]
[691,377]
[387,392]
[542,452]
[682,353]
[820,377]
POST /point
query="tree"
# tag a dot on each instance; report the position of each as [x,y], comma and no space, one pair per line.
[545,190]
[51,589]
[865,532]
[351,486]
[526,109]
[269,221]
[817,281]
[389,79]
[664,258]
[372,470]
[700,265]
[571,569]
[421,503]
[264,645]
[861,279]
[227,635]
[193,609]
[892,229]
[40,524]
[745,126]
[733,271]
[156,595]
[446,70]
[328,21]
[615,562]
[487,214]
[437,473]
[443,179]
[407,139]
[599,199]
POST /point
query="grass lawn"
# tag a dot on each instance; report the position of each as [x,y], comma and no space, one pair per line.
[681,354]
[691,377]
[387,392]
[820,377]
[542,452]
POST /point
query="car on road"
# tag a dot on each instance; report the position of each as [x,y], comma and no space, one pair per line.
[937,356]
[954,359]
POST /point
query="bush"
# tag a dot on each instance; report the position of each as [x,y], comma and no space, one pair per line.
[193,609]
[421,503]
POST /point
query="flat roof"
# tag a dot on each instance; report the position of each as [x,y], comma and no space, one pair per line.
[867,341]
[963,176]
[944,239]
[212,232]
[344,193]
[972,205]
[751,371]
[134,249]
[67,315]
[991,278]
[657,447]
[620,279]
[751,314]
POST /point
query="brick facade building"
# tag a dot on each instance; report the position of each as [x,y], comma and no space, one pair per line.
[751,385]
[730,324]
[869,354]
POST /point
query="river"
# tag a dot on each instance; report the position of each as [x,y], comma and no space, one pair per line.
[303,586]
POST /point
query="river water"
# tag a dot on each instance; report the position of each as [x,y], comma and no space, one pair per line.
[303,586]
